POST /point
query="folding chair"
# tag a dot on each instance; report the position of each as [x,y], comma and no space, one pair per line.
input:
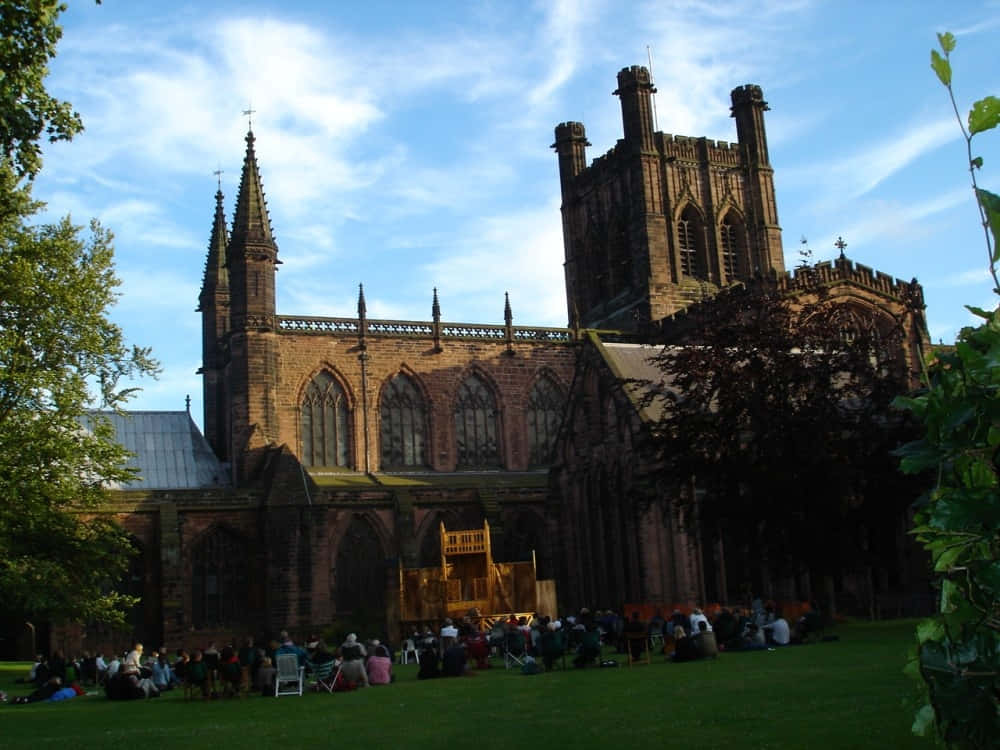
[288,680]
[637,646]
[326,674]
[408,651]
[514,648]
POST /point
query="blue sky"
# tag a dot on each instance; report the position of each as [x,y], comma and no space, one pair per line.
[406,145]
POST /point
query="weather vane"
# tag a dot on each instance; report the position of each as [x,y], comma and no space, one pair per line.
[218,176]
[249,112]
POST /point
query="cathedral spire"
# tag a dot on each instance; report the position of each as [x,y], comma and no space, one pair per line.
[216,276]
[251,223]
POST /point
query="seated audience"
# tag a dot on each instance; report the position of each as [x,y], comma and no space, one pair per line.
[589,648]
[288,647]
[264,681]
[453,660]
[197,674]
[779,631]
[684,647]
[428,664]
[698,616]
[353,666]
[551,645]
[705,645]
[163,676]
[379,666]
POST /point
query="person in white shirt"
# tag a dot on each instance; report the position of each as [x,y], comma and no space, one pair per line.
[449,630]
[780,632]
[698,616]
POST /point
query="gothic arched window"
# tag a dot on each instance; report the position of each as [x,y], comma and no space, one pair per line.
[732,236]
[476,425]
[403,424]
[545,407]
[690,241]
[359,575]
[218,579]
[325,436]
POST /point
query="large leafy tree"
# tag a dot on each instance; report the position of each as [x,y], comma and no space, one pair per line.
[776,432]
[60,358]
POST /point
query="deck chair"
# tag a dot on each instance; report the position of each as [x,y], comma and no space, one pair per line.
[326,674]
[288,680]
[514,648]
[408,651]
[637,646]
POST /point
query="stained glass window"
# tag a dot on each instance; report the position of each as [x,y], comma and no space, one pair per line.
[219,579]
[403,424]
[476,425]
[545,405]
[325,436]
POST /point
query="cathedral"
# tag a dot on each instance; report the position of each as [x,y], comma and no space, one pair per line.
[335,448]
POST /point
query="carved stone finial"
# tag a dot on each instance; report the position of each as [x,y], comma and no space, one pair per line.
[508,316]
[436,308]
[362,308]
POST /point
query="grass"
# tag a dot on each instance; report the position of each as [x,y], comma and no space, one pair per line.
[847,694]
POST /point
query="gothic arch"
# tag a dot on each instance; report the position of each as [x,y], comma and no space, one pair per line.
[476,411]
[220,577]
[359,569]
[544,406]
[325,423]
[689,234]
[734,256]
[404,420]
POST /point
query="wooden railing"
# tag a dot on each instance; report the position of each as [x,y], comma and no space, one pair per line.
[465,542]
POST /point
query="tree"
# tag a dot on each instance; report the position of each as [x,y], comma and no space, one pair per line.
[957,657]
[30,31]
[777,415]
[60,357]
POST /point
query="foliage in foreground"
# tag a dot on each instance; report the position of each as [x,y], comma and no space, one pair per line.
[780,408]
[958,652]
[60,357]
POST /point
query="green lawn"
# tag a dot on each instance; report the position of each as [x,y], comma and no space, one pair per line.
[847,694]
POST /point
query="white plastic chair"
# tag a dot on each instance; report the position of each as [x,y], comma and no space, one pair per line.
[289,677]
[409,647]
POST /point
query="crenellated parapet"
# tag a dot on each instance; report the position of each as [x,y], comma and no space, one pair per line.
[844,270]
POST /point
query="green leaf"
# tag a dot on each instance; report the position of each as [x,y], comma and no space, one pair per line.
[979,312]
[947,41]
[991,205]
[923,722]
[942,67]
[928,630]
[978,162]
[984,115]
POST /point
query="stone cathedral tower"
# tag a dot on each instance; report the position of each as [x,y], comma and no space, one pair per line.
[661,221]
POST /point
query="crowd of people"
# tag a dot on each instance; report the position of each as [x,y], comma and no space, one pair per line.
[451,650]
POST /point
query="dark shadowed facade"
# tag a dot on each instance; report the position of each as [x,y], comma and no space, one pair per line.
[334,447]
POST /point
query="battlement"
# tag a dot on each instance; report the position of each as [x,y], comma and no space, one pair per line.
[845,270]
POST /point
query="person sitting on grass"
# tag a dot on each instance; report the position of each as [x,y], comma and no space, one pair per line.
[264,681]
[197,673]
[453,659]
[589,648]
[43,693]
[635,636]
[353,666]
[551,645]
[704,642]
[163,676]
[684,647]
[778,631]
[754,638]
[428,664]
[379,666]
